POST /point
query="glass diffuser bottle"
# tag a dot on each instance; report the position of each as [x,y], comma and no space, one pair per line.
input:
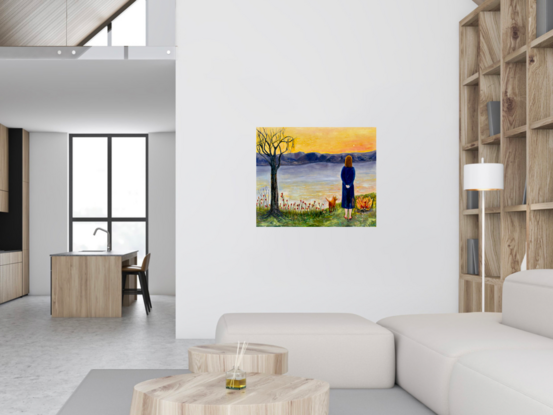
[236,379]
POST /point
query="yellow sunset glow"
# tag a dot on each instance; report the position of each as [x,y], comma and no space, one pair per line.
[333,140]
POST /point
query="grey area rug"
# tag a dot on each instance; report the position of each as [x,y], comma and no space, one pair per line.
[109,392]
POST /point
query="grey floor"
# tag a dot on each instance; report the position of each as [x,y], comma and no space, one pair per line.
[43,360]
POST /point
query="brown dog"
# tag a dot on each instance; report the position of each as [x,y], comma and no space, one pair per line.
[332,203]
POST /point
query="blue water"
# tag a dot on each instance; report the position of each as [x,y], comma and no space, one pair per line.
[317,181]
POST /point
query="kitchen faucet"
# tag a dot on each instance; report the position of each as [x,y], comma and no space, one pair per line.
[109,237]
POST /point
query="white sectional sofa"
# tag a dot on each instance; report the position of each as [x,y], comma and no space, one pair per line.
[482,363]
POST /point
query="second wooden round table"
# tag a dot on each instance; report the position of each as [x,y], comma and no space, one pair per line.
[259,358]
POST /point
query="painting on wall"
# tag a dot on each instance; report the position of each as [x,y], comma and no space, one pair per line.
[316,177]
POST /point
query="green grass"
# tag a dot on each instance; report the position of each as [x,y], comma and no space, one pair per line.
[320,219]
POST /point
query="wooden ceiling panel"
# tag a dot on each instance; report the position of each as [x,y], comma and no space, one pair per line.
[32,23]
[55,22]
[85,18]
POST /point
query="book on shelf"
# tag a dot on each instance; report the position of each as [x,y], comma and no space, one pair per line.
[494,120]
[472,199]
[524,196]
[544,17]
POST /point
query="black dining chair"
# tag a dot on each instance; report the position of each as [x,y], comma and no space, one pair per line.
[144,291]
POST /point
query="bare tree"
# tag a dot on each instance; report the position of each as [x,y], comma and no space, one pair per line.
[271,144]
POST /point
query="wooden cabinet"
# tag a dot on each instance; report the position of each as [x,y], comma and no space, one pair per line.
[7,258]
[14,225]
[11,281]
[4,168]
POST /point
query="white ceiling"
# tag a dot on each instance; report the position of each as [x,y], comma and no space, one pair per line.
[85,96]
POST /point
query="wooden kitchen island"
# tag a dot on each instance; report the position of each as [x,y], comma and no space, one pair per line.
[88,284]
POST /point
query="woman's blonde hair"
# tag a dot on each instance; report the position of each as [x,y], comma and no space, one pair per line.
[349,161]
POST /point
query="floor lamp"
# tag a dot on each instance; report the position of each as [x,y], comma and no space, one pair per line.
[483,177]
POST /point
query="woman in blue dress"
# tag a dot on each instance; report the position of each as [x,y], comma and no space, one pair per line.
[348,190]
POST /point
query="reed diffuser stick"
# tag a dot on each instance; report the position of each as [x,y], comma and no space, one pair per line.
[239,357]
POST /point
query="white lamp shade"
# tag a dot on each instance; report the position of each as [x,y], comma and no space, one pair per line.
[483,176]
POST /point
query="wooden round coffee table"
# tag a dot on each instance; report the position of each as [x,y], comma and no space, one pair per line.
[259,358]
[205,394]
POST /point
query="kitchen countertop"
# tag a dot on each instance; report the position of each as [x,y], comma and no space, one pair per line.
[102,253]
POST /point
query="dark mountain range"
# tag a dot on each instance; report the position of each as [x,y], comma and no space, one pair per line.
[296,159]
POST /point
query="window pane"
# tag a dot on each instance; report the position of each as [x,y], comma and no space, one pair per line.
[128,155]
[84,238]
[130,236]
[90,177]
[129,28]
[101,38]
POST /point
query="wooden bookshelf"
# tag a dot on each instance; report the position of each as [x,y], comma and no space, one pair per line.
[501,60]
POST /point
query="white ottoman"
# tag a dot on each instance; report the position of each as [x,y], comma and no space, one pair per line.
[346,350]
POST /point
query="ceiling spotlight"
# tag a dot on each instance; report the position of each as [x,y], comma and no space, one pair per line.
[168,52]
[59,52]
[73,52]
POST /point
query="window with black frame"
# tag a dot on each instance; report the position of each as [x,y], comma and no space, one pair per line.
[108,185]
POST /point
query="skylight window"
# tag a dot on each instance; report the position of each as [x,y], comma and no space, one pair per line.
[128,29]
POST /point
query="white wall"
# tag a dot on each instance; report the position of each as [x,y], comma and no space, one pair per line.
[49,208]
[48,220]
[162,212]
[386,64]
[160,22]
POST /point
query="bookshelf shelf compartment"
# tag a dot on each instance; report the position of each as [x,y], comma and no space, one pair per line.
[495,139]
[494,69]
[513,239]
[543,42]
[541,206]
[519,132]
[472,80]
[478,279]
[472,18]
[518,56]
[471,147]
[515,208]
[540,256]
[544,124]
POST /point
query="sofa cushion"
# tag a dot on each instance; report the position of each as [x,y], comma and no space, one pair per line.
[427,347]
[503,382]
[528,301]
[346,350]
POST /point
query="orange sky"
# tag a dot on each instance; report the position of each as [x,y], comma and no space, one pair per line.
[333,140]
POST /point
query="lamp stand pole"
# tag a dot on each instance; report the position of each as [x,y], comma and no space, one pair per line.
[483,251]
